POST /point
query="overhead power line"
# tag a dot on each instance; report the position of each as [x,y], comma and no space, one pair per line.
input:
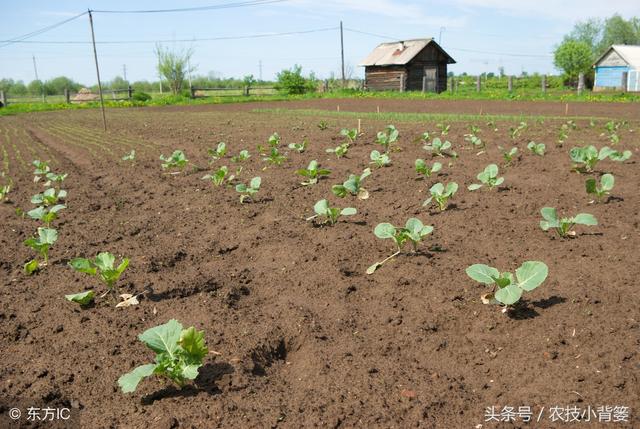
[194,39]
[22,38]
[506,54]
[198,8]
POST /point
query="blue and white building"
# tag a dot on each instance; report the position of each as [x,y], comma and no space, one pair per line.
[612,66]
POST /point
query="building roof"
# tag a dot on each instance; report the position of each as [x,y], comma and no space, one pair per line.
[400,53]
[629,53]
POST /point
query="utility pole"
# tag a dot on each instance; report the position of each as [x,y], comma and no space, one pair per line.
[189,71]
[342,53]
[124,72]
[95,57]
[35,68]
[260,69]
[440,36]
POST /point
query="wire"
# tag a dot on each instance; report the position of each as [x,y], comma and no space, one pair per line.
[506,54]
[205,39]
[199,8]
[22,38]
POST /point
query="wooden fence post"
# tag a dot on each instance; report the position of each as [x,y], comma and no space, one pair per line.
[67,98]
[580,83]
[401,82]
[544,83]
[130,92]
[510,83]
[3,99]
[193,91]
[424,84]
[625,78]
[245,91]
[478,84]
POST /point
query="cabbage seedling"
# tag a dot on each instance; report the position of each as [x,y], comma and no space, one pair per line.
[218,152]
[42,168]
[49,197]
[330,214]
[6,188]
[507,289]
[387,137]
[437,147]
[299,147]
[131,156]
[103,266]
[41,244]
[179,354]
[379,159]
[510,155]
[537,148]
[413,232]
[274,140]
[82,298]
[514,132]
[488,177]
[441,195]
[340,150]
[352,186]
[444,129]
[176,160]
[564,225]
[312,173]
[423,168]
[242,156]
[219,176]
[322,125]
[586,158]
[274,156]
[350,134]
[46,214]
[606,185]
[493,126]
[247,192]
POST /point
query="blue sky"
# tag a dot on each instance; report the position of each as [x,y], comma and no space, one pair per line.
[481,35]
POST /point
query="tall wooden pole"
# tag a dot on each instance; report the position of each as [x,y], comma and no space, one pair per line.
[35,69]
[95,57]
[342,54]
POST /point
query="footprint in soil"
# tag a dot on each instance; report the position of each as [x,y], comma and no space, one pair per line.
[208,375]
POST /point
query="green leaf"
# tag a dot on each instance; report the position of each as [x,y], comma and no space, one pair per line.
[47,235]
[585,219]
[241,187]
[163,338]
[256,182]
[373,268]
[384,230]
[606,181]
[190,372]
[192,342]
[31,267]
[437,189]
[483,273]
[452,188]
[531,274]
[129,382]
[348,211]
[474,186]
[499,181]
[83,298]
[509,295]
[491,170]
[37,213]
[104,261]
[321,207]
[590,185]
[83,265]
[550,214]
[339,191]
[123,266]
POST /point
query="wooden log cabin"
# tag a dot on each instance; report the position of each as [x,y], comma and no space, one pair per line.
[407,65]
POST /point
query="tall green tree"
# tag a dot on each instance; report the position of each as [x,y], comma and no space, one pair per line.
[573,57]
[174,66]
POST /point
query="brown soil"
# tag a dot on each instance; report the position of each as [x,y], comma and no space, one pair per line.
[305,338]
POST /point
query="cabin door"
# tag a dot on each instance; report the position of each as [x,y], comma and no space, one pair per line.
[430,79]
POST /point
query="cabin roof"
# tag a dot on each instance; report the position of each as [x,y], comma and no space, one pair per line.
[629,53]
[400,53]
